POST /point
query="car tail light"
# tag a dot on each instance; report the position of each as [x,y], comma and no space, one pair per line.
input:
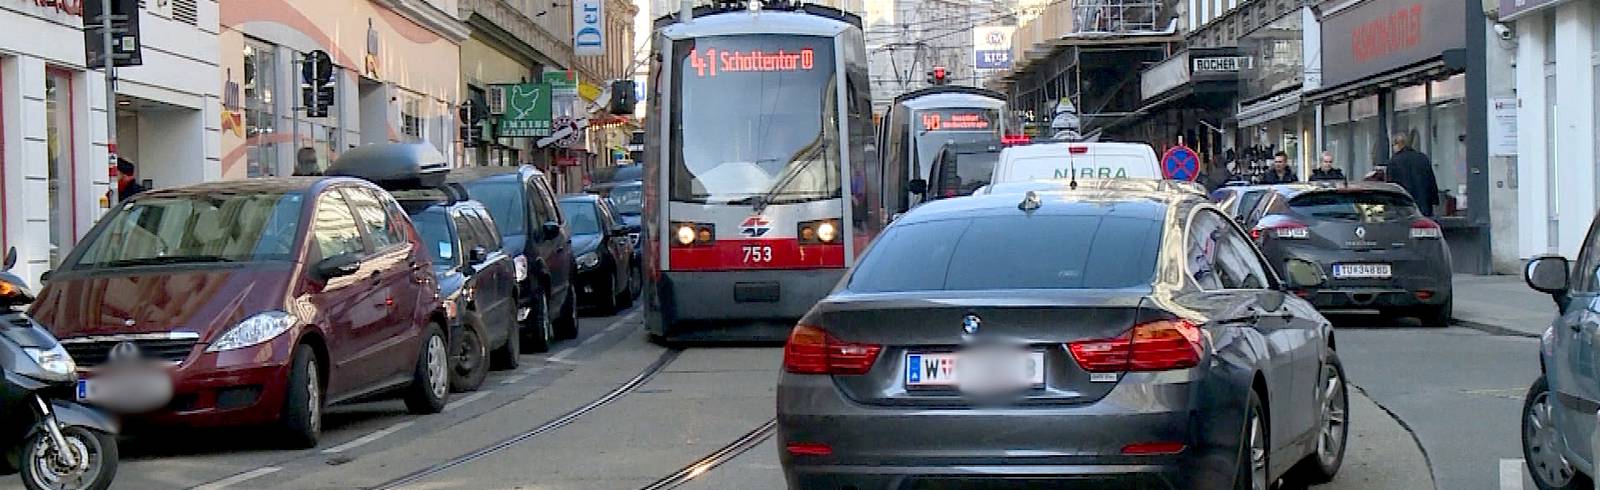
[1077,149]
[1285,229]
[811,350]
[809,449]
[1014,139]
[1425,228]
[1153,448]
[1151,346]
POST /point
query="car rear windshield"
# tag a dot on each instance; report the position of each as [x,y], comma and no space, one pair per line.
[581,215]
[202,228]
[1364,207]
[503,198]
[435,231]
[1011,252]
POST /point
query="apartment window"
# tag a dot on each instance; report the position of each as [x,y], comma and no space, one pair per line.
[260,108]
[59,149]
[411,119]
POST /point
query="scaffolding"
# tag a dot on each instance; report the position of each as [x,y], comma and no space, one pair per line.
[1117,16]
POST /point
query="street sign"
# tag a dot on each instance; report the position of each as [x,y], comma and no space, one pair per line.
[125,41]
[527,111]
[1181,163]
[992,46]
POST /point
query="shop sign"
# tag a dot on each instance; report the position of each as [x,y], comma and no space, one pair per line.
[1221,64]
[992,46]
[1503,127]
[69,7]
[1378,36]
[562,84]
[588,27]
[1218,64]
[527,111]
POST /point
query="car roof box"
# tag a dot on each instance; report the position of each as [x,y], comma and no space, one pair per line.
[394,166]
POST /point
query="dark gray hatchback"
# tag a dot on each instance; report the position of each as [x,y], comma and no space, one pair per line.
[1378,251]
[1098,339]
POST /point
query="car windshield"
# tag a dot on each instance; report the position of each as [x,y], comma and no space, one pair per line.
[201,228]
[1011,252]
[581,215]
[503,198]
[628,198]
[1364,207]
[434,227]
[754,119]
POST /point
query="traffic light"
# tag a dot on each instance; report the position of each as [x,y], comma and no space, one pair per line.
[938,76]
[623,97]
[316,83]
[470,131]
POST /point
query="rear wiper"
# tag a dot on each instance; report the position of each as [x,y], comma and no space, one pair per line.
[169,259]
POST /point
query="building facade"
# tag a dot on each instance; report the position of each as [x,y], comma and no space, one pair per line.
[1554,119]
[53,118]
[397,78]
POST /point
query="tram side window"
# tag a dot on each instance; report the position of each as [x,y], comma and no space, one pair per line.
[894,167]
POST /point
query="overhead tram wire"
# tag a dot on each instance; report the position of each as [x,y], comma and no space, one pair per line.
[969,27]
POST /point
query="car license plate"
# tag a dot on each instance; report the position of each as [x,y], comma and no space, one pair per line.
[1361,271]
[928,370]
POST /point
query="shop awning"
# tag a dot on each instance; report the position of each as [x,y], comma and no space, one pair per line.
[1266,110]
[1433,69]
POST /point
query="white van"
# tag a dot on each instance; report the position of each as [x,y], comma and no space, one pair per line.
[1046,161]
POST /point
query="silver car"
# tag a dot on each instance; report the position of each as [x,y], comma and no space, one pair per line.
[1102,338]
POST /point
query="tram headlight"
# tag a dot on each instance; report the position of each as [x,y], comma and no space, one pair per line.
[685,234]
[820,231]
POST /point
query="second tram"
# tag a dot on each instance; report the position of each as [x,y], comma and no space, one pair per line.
[921,122]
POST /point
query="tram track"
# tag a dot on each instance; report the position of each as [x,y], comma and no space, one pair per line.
[722,455]
[565,419]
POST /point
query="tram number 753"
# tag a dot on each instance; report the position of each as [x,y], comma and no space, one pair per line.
[757,254]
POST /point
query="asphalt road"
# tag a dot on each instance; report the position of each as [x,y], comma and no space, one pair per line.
[612,411]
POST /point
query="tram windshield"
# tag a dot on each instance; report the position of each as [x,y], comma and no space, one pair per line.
[754,120]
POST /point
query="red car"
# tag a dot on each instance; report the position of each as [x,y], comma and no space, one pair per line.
[268,299]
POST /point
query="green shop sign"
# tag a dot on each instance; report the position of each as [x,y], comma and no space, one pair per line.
[527,111]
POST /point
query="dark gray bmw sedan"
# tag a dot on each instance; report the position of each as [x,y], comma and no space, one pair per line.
[1091,339]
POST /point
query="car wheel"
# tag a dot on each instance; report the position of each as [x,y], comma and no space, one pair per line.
[1436,315]
[1542,446]
[1253,447]
[609,300]
[301,421]
[506,357]
[567,323]
[1333,428]
[96,451]
[635,282]
[430,381]
[538,333]
[625,293]
[468,359]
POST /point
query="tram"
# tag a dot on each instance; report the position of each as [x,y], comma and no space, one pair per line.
[760,182]
[919,123]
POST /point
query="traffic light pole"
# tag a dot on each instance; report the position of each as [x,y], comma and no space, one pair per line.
[111,97]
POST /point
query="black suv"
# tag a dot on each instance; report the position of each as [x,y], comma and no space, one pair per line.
[608,270]
[534,235]
[475,281]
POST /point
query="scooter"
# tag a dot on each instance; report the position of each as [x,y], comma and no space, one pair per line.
[55,442]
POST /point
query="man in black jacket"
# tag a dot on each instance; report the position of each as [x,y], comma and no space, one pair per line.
[1411,170]
[1326,171]
[1280,173]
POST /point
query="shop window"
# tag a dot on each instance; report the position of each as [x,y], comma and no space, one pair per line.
[1448,143]
[1368,148]
[260,108]
[60,178]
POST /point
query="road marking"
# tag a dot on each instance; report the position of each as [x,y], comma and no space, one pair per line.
[239,478]
[563,354]
[1510,474]
[367,439]
[513,379]
[469,399]
[592,339]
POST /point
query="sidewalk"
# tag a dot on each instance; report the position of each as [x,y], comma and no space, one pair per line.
[1502,305]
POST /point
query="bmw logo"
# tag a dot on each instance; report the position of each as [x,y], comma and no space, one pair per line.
[970,324]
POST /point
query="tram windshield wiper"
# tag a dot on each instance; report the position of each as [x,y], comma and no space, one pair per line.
[804,159]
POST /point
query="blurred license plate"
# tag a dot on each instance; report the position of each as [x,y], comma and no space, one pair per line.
[1361,271]
[942,369]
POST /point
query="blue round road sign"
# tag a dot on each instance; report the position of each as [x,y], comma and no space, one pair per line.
[1181,163]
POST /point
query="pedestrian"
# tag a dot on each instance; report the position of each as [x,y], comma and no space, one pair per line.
[127,180]
[305,162]
[1412,171]
[1326,170]
[1280,173]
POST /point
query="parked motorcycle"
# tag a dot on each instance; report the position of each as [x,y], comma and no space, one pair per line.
[55,442]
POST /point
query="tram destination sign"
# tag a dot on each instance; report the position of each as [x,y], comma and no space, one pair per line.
[956,120]
[713,62]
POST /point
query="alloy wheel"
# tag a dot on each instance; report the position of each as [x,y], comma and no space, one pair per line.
[1544,451]
[437,371]
[1258,453]
[1335,407]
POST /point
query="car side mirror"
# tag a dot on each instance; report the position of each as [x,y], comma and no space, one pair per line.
[917,186]
[551,230]
[477,255]
[11,259]
[619,231]
[1549,274]
[337,266]
[1302,274]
